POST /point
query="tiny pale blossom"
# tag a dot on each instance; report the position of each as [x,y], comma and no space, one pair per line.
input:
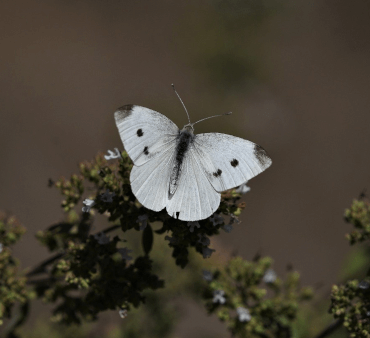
[219,297]
[107,196]
[125,254]
[204,240]
[216,219]
[234,219]
[207,252]
[191,225]
[102,238]
[243,189]
[270,276]
[123,313]
[143,221]
[113,154]
[243,314]
[88,204]
[363,285]
[207,275]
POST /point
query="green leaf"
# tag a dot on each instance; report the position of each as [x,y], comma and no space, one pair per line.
[147,239]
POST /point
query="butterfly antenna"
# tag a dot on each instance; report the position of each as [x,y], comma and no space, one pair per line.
[229,113]
[173,86]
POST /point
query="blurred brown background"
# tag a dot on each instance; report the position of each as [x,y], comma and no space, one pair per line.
[295,74]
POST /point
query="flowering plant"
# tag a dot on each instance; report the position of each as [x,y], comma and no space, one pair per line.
[91,271]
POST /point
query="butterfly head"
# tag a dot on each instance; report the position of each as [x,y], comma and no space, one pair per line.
[189,128]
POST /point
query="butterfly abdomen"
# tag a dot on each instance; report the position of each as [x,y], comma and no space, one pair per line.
[184,140]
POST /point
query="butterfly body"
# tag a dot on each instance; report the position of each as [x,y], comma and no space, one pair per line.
[179,170]
[184,140]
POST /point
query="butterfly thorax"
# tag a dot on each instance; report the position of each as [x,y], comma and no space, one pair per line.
[183,142]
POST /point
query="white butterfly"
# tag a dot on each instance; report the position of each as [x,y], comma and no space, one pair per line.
[180,171]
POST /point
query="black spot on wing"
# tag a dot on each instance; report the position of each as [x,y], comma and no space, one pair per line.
[123,112]
[139,132]
[146,152]
[234,162]
[261,155]
[177,214]
[217,173]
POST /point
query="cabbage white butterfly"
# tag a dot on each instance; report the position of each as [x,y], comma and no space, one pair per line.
[180,171]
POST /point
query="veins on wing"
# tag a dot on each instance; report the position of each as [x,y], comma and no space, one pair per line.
[184,139]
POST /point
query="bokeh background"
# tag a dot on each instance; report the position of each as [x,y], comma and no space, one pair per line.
[295,74]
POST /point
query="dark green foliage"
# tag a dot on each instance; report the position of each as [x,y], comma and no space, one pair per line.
[351,301]
[12,286]
[272,304]
[359,216]
[89,272]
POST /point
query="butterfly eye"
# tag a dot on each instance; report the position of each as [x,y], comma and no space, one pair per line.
[139,132]
[234,162]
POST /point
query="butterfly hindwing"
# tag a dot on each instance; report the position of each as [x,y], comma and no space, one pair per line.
[195,198]
[229,161]
[145,133]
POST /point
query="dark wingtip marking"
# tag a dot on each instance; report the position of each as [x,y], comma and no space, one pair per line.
[146,152]
[139,132]
[217,173]
[126,107]
[234,162]
[123,112]
[261,155]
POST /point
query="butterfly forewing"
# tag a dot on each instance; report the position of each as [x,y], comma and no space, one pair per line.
[229,161]
[145,133]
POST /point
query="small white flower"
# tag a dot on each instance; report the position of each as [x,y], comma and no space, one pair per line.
[88,204]
[107,196]
[219,297]
[125,254]
[207,252]
[234,219]
[172,240]
[243,314]
[207,275]
[270,276]
[102,238]
[243,189]
[191,225]
[143,221]
[123,313]
[204,240]
[229,227]
[1,247]
[113,154]
[216,219]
